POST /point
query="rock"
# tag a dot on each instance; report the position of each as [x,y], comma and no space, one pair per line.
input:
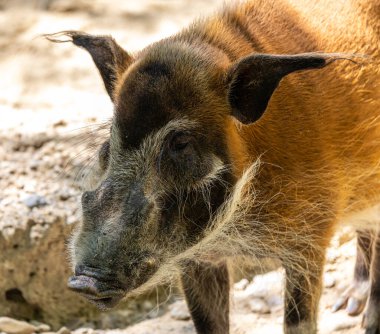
[85,330]
[64,330]
[258,305]
[179,311]
[35,201]
[329,281]
[332,255]
[88,325]
[264,285]
[43,328]
[344,324]
[36,273]
[34,164]
[40,326]
[12,326]
[59,123]
[241,285]
[275,301]
[8,232]
[64,195]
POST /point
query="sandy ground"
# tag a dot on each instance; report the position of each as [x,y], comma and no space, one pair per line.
[52,106]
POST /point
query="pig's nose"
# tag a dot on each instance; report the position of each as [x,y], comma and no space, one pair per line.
[102,294]
[94,281]
[81,269]
[101,275]
[83,284]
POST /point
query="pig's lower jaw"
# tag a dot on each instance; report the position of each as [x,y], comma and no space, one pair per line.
[103,294]
[104,304]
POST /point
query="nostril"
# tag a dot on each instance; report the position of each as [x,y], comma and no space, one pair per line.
[79,269]
[96,273]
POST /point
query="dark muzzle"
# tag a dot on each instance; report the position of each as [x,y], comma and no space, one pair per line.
[98,288]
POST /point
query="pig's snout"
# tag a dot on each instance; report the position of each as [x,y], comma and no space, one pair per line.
[99,290]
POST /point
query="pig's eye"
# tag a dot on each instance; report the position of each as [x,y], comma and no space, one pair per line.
[179,154]
[181,158]
[180,142]
[104,153]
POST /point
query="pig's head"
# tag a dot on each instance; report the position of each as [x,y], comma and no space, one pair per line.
[172,156]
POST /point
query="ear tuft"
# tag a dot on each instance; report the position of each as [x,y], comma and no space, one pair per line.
[252,81]
[110,59]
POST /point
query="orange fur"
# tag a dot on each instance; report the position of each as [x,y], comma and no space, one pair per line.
[317,142]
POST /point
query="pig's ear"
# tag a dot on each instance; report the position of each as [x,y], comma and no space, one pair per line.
[110,58]
[252,80]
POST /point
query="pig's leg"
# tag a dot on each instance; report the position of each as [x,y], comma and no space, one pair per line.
[371,320]
[355,296]
[302,293]
[206,288]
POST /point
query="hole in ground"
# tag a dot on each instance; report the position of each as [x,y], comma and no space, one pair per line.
[15,295]
[20,307]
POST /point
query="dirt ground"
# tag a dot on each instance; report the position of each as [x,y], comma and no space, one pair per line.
[53,108]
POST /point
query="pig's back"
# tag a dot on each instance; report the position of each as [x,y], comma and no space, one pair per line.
[322,127]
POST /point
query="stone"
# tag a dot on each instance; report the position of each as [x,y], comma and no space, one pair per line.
[36,273]
[59,123]
[64,330]
[41,328]
[275,301]
[84,330]
[264,285]
[34,164]
[179,311]
[258,305]
[35,201]
[12,326]
[241,285]
[332,255]
[64,195]
[88,325]
[344,323]
[329,281]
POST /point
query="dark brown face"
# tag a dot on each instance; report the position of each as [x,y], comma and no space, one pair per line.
[164,174]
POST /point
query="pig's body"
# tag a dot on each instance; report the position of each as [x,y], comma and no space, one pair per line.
[319,138]
[173,136]
[323,128]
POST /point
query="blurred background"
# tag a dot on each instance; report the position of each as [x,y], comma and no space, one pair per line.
[53,114]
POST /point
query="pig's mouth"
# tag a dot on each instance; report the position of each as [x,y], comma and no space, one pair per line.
[104,294]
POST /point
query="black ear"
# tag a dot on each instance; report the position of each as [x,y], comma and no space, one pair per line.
[110,59]
[252,81]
